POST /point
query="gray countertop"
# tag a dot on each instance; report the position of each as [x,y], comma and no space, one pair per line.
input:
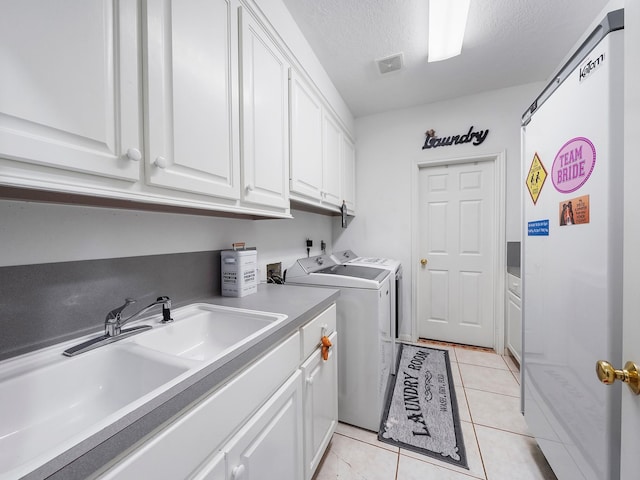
[299,303]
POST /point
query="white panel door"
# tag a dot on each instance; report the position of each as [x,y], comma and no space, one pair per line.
[306,139]
[265,117]
[270,443]
[457,227]
[331,165]
[192,96]
[69,85]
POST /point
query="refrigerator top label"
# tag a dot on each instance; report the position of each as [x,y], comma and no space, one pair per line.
[538,228]
[589,66]
[536,177]
[573,165]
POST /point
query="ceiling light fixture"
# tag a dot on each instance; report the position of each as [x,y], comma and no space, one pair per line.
[447,22]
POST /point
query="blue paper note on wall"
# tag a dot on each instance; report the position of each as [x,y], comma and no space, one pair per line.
[538,228]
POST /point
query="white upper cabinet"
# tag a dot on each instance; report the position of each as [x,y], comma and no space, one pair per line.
[317,148]
[306,139]
[183,103]
[331,162]
[192,98]
[348,155]
[265,116]
[69,93]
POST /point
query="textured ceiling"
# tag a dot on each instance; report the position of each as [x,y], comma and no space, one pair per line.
[507,43]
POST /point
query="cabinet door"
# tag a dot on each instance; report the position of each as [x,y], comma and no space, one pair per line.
[69,86]
[270,444]
[331,165]
[192,100]
[213,470]
[514,325]
[265,117]
[306,139]
[320,402]
[349,174]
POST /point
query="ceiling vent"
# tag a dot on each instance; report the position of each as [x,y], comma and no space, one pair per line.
[390,63]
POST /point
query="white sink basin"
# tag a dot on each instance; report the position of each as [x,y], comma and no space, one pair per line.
[204,332]
[51,403]
[45,407]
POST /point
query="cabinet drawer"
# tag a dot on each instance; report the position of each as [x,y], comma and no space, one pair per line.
[209,423]
[514,284]
[323,324]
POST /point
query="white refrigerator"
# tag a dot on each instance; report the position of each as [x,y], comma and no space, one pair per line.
[572,152]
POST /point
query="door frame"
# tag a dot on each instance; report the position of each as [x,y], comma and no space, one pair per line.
[499,238]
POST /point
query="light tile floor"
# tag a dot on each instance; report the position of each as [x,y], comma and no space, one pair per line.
[496,439]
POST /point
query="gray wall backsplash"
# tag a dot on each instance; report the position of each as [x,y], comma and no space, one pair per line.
[44,304]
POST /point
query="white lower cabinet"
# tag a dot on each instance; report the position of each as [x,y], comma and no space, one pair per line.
[269,445]
[271,421]
[320,404]
[214,470]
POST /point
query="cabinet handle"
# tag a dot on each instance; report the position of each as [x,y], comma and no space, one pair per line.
[160,162]
[250,187]
[309,380]
[238,472]
[134,154]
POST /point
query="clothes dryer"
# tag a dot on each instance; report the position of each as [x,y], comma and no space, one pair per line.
[395,282]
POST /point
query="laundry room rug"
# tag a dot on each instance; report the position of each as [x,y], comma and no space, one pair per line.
[421,412]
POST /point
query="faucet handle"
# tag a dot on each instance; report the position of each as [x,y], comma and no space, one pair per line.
[166,308]
[116,313]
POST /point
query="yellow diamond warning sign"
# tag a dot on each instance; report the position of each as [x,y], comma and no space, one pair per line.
[535,178]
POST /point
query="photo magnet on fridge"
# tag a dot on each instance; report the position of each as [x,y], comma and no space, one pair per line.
[574,211]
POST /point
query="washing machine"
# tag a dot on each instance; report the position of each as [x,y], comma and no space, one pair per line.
[365,349]
[395,282]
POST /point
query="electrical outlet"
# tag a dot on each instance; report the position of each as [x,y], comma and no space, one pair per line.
[274,272]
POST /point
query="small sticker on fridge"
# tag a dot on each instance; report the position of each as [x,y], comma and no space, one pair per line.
[573,165]
[536,177]
[538,228]
[574,211]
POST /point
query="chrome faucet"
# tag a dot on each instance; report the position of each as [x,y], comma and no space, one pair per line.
[114,322]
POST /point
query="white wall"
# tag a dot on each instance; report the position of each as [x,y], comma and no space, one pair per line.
[33,233]
[388,147]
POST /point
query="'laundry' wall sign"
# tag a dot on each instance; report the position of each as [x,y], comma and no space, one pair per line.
[432,141]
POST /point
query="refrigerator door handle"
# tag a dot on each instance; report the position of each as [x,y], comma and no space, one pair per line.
[629,375]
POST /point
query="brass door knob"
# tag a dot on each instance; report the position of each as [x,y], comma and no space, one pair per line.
[629,375]
[423,261]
